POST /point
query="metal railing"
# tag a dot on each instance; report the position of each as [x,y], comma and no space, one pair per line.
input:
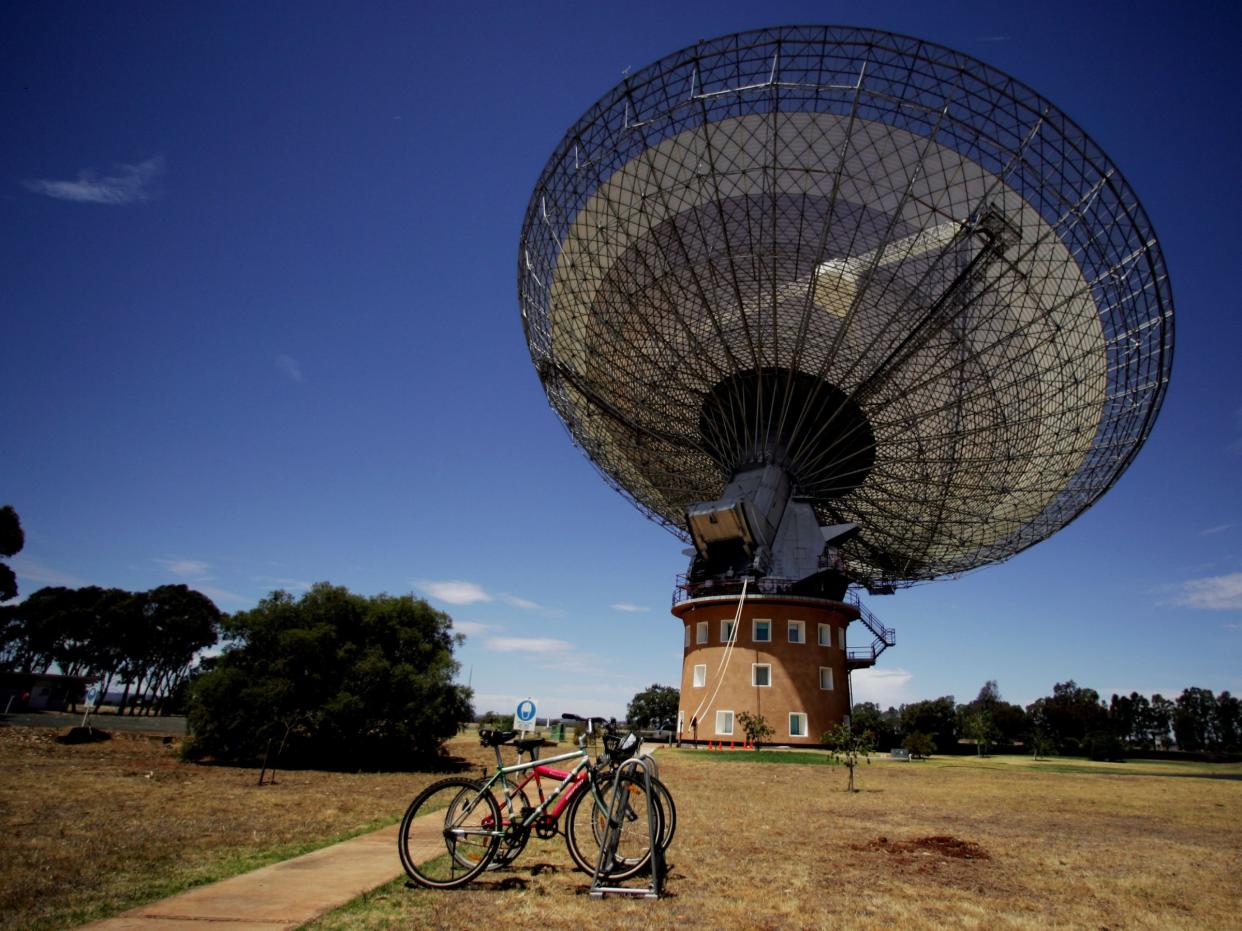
[884,637]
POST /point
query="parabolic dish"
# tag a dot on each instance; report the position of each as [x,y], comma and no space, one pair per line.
[901,274]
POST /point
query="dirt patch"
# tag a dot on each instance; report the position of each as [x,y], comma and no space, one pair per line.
[944,845]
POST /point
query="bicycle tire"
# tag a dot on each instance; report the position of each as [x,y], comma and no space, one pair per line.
[668,813]
[584,830]
[463,819]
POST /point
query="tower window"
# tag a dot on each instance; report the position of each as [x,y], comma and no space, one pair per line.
[825,635]
[700,676]
[825,678]
[797,724]
[726,631]
[762,631]
[701,632]
[724,723]
[761,674]
[797,632]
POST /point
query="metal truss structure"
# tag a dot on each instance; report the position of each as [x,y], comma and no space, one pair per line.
[899,274]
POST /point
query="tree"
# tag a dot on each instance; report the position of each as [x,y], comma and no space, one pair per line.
[177,623]
[919,746]
[884,725]
[1161,722]
[1228,722]
[989,720]
[1194,720]
[344,680]
[656,704]
[935,717]
[1104,746]
[846,747]
[755,727]
[12,539]
[1068,715]
[978,726]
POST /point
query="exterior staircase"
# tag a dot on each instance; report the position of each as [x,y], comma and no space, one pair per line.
[883,637]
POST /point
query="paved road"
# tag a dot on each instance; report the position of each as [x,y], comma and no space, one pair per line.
[173,724]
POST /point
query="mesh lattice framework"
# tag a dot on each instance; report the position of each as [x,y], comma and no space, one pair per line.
[901,274]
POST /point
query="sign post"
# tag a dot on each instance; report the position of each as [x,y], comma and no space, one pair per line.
[91,694]
[524,715]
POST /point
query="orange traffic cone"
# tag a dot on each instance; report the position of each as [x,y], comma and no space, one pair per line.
[730,745]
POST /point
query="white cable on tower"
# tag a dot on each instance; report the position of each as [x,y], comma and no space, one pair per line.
[727,654]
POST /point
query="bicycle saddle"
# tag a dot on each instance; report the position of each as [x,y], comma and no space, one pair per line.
[490,738]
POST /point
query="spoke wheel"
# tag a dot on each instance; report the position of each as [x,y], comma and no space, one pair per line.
[586,826]
[449,834]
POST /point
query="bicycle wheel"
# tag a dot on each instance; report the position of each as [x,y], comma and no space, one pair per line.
[668,812]
[586,824]
[449,834]
[513,843]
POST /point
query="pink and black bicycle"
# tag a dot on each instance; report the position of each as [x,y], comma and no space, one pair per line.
[488,822]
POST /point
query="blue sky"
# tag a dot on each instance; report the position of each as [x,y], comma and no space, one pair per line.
[260,328]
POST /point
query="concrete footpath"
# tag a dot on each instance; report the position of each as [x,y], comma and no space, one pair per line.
[284,895]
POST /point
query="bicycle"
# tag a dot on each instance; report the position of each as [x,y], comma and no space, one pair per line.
[464,816]
[547,825]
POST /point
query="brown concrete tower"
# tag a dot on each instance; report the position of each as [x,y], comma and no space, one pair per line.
[788,663]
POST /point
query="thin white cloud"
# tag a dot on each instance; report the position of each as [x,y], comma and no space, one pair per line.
[1231,626]
[128,184]
[28,570]
[517,602]
[473,627]
[1219,528]
[454,591]
[461,592]
[1214,593]
[288,366]
[886,687]
[526,645]
[186,568]
[629,608]
[286,584]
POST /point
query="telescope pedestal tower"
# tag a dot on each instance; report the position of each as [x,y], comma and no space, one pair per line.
[763,561]
[789,663]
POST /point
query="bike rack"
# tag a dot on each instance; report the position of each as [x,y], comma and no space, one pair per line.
[608,849]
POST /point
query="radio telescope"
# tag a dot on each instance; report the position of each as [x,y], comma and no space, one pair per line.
[839,308]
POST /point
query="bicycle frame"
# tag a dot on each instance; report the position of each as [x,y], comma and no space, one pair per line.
[562,794]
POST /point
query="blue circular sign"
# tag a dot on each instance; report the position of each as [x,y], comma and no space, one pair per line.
[526,710]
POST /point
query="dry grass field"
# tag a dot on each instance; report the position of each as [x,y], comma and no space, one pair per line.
[993,843]
[1003,842]
[92,829]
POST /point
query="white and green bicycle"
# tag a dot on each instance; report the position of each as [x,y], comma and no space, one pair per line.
[456,828]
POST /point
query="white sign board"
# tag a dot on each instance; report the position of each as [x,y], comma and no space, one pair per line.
[524,715]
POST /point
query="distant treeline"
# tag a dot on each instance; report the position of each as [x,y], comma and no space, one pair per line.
[143,642]
[1071,720]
